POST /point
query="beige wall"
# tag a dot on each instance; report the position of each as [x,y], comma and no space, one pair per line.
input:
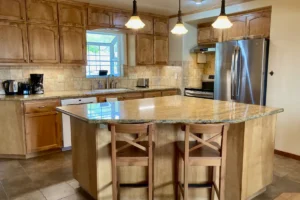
[73,78]
[284,59]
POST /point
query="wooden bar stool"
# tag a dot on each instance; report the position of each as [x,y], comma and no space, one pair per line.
[132,152]
[202,153]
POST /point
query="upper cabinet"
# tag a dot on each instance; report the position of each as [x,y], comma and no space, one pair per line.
[258,24]
[120,19]
[144,49]
[148,21]
[207,34]
[41,11]
[72,15]
[72,45]
[238,29]
[13,42]
[43,43]
[161,26]
[161,50]
[12,10]
[98,17]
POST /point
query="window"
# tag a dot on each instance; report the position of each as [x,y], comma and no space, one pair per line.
[104,53]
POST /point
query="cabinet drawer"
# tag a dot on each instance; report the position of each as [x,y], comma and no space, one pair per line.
[152,94]
[102,99]
[41,106]
[129,96]
[169,93]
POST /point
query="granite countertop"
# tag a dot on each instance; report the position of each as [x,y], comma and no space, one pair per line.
[78,94]
[171,109]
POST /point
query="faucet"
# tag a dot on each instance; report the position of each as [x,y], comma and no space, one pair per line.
[107,81]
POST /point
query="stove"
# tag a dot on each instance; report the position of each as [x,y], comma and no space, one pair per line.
[206,92]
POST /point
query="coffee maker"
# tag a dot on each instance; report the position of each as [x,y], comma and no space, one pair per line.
[37,83]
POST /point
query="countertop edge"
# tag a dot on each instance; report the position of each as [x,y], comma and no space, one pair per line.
[91,94]
[175,121]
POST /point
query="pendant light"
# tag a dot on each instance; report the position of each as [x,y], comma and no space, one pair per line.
[135,21]
[222,22]
[179,28]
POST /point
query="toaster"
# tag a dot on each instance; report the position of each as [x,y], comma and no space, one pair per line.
[143,82]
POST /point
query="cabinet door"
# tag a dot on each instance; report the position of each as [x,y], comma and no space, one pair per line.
[238,30]
[204,35]
[144,49]
[12,9]
[148,21]
[258,25]
[41,11]
[99,17]
[72,15]
[161,27]
[43,131]
[72,45]
[161,50]
[13,42]
[216,35]
[120,19]
[43,44]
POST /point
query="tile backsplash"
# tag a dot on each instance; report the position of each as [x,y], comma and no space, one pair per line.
[64,78]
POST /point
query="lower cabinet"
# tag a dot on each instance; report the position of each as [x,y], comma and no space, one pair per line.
[152,94]
[42,126]
[169,92]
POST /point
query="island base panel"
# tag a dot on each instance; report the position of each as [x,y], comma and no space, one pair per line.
[249,162]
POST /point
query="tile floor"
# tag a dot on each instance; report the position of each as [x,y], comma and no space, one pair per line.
[50,178]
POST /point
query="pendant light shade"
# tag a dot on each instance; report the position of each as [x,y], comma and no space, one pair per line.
[135,21]
[222,22]
[179,28]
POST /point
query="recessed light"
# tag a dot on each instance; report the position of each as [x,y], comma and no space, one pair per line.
[198,2]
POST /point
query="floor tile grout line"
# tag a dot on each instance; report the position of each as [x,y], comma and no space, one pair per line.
[32,180]
[4,190]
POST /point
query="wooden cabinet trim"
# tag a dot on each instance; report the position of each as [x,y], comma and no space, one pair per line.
[9,30]
[12,10]
[161,50]
[144,49]
[40,46]
[67,48]
[66,18]
[48,9]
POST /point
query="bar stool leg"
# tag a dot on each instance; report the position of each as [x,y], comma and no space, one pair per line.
[150,165]
[114,165]
[176,176]
[213,178]
[186,164]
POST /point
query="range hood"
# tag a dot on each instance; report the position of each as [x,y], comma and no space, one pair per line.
[204,48]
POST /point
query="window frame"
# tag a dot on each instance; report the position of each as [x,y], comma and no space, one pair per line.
[118,38]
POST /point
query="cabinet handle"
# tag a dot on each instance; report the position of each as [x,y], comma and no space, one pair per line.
[40,107]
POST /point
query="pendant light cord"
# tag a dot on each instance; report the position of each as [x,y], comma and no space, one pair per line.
[179,13]
[223,13]
[134,8]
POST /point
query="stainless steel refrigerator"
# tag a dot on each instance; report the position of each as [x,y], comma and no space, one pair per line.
[241,71]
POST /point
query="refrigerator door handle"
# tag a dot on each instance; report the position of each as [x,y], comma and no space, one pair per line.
[237,71]
[233,63]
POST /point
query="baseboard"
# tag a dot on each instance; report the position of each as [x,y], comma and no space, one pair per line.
[286,154]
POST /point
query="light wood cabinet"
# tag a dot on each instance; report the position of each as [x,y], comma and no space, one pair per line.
[169,92]
[43,43]
[72,15]
[72,45]
[161,50]
[161,26]
[148,21]
[131,96]
[12,10]
[144,49]
[258,24]
[238,29]
[99,17]
[43,129]
[120,19]
[152,94]
[207,34]
[13,42]
[41,11]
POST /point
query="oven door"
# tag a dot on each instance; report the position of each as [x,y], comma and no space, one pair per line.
[199,94]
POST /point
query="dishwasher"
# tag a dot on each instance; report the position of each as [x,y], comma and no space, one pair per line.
[67,145]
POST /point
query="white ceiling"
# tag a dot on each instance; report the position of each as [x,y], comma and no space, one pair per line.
[163,7]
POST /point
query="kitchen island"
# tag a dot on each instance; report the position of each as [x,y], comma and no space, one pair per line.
[250,144]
